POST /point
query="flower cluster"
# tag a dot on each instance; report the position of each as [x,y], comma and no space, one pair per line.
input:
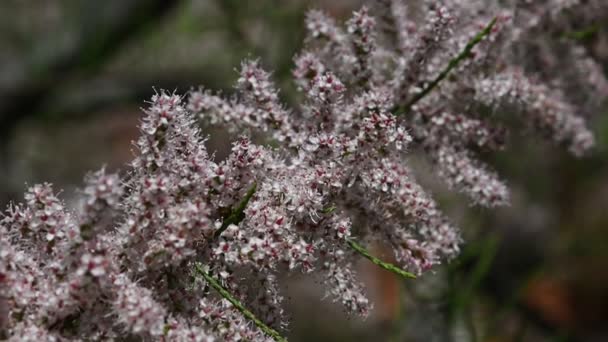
[124,262]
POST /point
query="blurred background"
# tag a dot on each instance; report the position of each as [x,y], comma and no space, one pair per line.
[74,74]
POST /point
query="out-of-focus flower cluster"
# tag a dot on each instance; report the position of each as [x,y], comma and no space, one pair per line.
[119,265]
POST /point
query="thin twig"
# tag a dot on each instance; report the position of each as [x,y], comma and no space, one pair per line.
[238,305]
[387,266]
[453,63]
[235,217]
[238,214]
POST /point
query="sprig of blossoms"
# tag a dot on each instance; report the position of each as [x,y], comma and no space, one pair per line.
[117,265]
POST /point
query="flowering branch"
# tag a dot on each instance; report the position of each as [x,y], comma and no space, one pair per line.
[342,146]
[237,215]
[387,266]
[453,63]
[238,305]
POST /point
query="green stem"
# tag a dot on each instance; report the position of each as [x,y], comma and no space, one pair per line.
[387,266]
[481,269]
[583,34]
[236,215]
[451,65]
[238,305]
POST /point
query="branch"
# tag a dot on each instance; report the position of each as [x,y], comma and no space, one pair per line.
[453,63]
[236,215]
[238,305]
[387,266]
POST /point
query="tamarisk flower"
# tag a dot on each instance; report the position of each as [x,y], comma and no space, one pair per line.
[512,91]
[186,247]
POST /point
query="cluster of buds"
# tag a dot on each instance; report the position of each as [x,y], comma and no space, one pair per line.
[185,247]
